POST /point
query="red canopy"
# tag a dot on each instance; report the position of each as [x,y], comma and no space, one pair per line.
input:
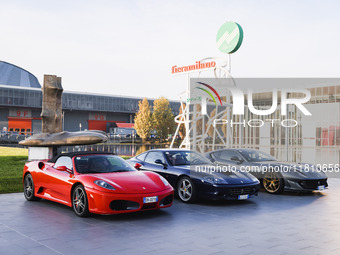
[125,125]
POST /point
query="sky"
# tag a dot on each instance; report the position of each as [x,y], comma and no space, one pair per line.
[128,47]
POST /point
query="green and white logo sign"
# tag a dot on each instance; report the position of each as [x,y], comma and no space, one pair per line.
[229,37]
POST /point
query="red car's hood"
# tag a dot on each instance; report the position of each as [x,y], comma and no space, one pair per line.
[133,182]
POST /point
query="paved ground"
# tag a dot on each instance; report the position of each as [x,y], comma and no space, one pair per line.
[285,224]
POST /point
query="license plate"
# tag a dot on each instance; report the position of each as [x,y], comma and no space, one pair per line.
[147,200]
[242,197]
[322,187]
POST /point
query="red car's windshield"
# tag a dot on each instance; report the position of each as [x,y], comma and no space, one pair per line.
[101,164]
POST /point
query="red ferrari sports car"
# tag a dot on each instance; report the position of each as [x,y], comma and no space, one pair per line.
[95,183]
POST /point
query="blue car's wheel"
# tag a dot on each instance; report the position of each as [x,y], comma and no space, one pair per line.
[186,190]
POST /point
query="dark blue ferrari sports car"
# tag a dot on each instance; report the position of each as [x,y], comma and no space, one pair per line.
[194,176]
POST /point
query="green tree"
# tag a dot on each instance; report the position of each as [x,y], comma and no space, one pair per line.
[143,120]
[163,118]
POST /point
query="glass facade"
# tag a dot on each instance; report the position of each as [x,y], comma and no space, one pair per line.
[292,137]
[20,97]
[32,98]
[320,129]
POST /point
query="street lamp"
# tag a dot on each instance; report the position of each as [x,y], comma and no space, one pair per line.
[79,126]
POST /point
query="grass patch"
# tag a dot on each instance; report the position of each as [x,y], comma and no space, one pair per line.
[11,173]
[12,161]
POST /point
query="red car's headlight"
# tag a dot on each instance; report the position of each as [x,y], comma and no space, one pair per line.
[104,184]
[166,183]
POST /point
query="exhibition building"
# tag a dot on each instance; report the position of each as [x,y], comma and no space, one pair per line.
[21,103]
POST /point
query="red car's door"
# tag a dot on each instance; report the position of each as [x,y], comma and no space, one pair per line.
[57,183]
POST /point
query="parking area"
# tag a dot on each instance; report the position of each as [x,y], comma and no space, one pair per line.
[268,224]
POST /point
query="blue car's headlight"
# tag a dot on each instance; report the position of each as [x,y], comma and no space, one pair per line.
[253,178]
[215,180]
[104,184]
[166,183]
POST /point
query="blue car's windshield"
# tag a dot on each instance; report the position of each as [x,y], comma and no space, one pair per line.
[178,158]
[101,164]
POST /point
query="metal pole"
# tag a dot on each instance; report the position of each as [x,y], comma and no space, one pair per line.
[187,128]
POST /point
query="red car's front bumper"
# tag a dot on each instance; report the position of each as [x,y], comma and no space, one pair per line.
[115,203]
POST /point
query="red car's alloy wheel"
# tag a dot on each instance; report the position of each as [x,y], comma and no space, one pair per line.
[29,188]
[79,201]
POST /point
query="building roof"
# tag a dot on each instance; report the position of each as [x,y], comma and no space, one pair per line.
[13,75]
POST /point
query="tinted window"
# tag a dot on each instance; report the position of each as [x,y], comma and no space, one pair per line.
[256,156]
[64,161]
[177,158]
[228,155]
[153,156]
[141,156]
[215,155]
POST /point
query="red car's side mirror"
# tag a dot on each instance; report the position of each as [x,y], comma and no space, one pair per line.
[61,168]
[138,166]
[64,169]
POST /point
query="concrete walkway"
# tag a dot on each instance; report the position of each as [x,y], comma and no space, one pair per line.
[268,224]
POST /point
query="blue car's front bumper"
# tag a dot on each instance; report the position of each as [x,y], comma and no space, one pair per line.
[227,192]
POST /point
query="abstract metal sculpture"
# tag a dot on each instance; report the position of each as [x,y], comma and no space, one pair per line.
[51,107]
[52,135]
[65,138]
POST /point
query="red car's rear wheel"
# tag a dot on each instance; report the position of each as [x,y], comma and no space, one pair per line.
[80,202]
[29,188]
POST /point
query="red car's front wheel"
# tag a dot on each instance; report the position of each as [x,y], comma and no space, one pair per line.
[29,188]
[80,202]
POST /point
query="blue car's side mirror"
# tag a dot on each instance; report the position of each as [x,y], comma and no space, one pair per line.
[160,162]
